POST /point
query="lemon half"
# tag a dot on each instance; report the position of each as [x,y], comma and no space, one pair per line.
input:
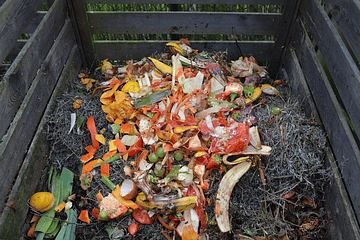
[42,201]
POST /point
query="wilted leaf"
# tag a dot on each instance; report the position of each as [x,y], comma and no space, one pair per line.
[77,103]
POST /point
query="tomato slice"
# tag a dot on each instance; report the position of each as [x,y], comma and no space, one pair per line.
[133,228]
[142,216]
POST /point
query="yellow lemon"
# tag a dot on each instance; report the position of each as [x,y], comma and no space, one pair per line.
[42,201]
[131,86]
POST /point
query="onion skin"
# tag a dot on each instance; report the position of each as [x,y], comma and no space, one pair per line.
[224,192]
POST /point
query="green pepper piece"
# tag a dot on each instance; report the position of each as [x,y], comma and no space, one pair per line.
[233,96]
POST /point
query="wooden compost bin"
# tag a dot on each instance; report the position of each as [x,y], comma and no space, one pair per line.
[307,38]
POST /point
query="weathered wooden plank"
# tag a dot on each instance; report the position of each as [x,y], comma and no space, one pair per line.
[16,49]
[341,139]
[338,206]
[34,23]
[283,35]
[260,2]
[343,224]
[22,71]
[11,222]
[298,84]
[82,33]
[14,17]
[347,16]
[126,50]
[342,67]
[184,22]
[21,131]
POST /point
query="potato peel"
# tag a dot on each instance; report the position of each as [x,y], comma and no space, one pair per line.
[224,192]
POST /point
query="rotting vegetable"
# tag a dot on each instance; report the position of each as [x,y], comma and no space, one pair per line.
[180,109]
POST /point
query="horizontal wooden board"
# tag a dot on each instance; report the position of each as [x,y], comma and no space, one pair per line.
[11,222]
[14,17]
[126,50]
[260,2]
[338,206]
[183,23]
[347,16]
[26,120]
[22,71]
[343,69]
[338,131]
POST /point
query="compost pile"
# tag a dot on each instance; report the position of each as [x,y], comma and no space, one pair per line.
[184,145]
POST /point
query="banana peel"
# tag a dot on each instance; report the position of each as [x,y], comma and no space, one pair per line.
[167,205]
[162,67]
[224,192]
[175,48]
[256,94]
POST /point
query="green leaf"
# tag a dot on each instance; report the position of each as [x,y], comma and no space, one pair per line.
[172,174]
[150,114]
[68,228]
[66,178]
[50,176]
[115,128]
[217,159]
[79,122]
[45,221]
[152,98]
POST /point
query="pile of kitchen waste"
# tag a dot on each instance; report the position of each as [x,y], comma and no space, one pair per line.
[183,145]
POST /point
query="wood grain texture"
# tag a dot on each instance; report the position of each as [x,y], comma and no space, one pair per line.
[14,17]
[183,23]
[347,16]
[343,225]
[34,23]
[16,49]
[22,71]
[23,127]
[126,50]
[343,69]
[338,131]
[82,32]
[298,84]
[283,35]
[261,2]
[11,222]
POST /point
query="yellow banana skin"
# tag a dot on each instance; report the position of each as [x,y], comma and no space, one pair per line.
[175,48]
[162,67]
[167,205]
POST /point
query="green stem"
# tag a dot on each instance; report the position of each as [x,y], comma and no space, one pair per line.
[112,159]
[108,183]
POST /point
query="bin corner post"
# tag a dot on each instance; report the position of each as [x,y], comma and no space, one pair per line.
[77,14]
[283,35]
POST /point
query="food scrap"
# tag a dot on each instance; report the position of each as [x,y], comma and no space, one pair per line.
[171,122]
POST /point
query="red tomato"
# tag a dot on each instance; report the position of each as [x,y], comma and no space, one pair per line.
[95,212]
[202,160]
[136,148]
[172,218]
[133,228]
[142,216]
[213,164]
